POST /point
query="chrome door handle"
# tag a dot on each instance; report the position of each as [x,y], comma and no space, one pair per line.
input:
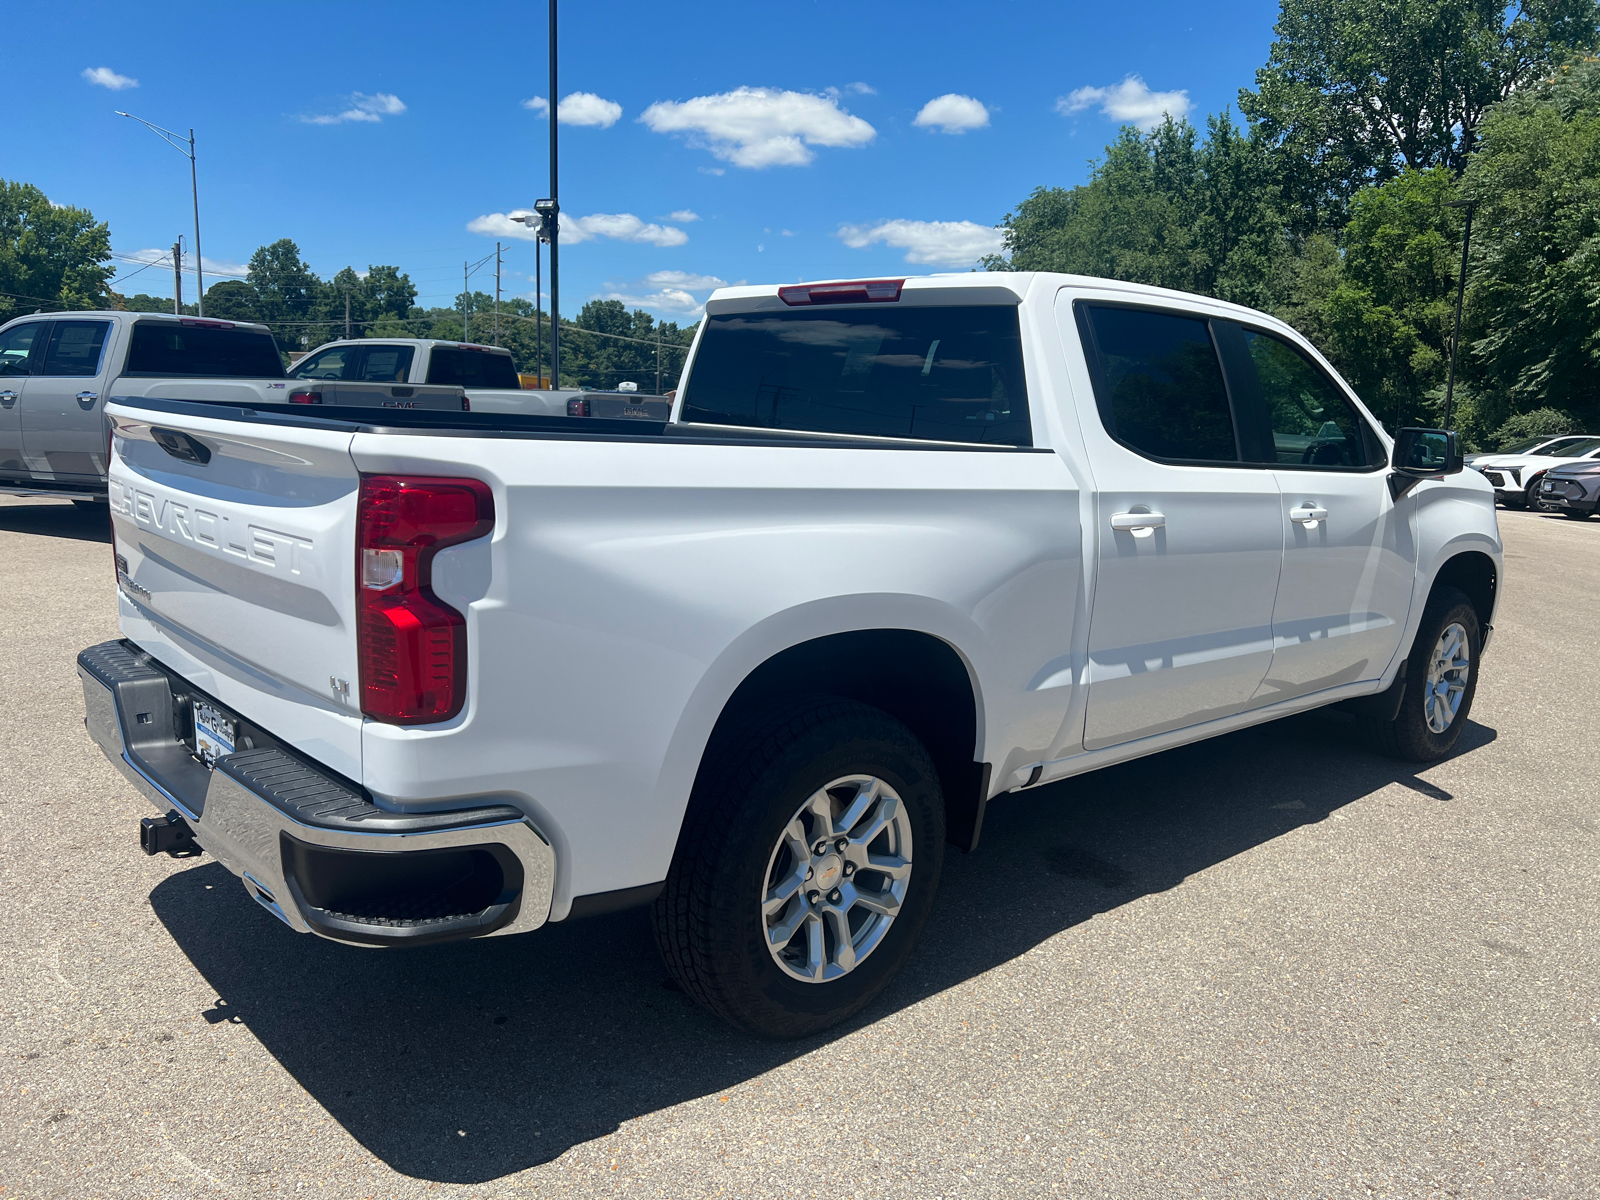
[1139,524]
[1308,515]
[87,399]
[8,397]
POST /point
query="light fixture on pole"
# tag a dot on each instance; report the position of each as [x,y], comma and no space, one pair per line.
[1461,295]
[176,141]
[542,220]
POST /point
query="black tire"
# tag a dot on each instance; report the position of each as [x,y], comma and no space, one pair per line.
[1530,495]
[1408,736]
[708,918]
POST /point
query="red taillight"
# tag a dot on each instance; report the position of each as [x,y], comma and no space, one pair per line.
[466,405]
[577,408]
[305,398]
[857,291]
[412,647]
[206,324]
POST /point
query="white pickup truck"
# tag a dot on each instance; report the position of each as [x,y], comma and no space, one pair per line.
[486,372]
[58,370]
[904,546]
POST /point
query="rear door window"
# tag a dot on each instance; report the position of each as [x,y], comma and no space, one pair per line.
[170,348]
[385,364]
[950,373]
[1158,383]
[1313,422]
[75,348]
[472,368]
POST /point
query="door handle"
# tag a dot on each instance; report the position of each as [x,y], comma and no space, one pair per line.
[1308,515]
[1140,524]
[87,399]
[8,397]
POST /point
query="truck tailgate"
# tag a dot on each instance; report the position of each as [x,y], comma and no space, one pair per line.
[235,546]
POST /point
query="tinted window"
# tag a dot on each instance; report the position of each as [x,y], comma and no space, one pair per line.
[471,368]
[948,373]
[391,364]
[1578,449]
[1158,383]
[16,344]
[1313,424]
[75,347]
[162,348]
[325,364]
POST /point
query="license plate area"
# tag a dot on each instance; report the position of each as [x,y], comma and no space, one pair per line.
[216,732]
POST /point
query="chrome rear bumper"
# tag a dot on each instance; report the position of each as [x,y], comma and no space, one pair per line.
[310,847]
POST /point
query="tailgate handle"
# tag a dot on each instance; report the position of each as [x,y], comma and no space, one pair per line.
[180,445]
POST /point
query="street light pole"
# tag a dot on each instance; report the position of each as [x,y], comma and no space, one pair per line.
[176,141]
[1461,294]
[554,219]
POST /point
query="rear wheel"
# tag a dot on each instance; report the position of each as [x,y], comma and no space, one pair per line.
[1441,680]
[808,862]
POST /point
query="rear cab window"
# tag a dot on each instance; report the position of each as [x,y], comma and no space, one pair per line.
[471,368]
[172,348]
[940,372]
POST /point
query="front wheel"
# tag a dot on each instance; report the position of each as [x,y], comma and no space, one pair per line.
[1530,495]
[807,865]
[1441,680]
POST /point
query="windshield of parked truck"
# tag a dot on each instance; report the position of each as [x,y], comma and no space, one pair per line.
[472,368]
[949,373]
[171,348]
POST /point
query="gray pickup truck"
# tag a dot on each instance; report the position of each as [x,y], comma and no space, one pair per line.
[57,370]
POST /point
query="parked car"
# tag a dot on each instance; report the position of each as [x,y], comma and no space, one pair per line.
[1515,477]
[1536,445]
[57,371]
[905,546]
[1573,490]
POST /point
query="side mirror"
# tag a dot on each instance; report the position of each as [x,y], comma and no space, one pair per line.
[1422,454]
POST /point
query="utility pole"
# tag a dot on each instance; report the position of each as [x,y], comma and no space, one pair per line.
[497,293]
[175,140]
[1461,294]
[466,276]
[347,334]
[177,277]
[538,313]
[658,359]
[555,218]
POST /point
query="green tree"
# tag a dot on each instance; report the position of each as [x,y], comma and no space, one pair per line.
[1536,258]
[1163,208]
[1382,310]
[286,291]
[1356,90]
[233,300]
[51,258]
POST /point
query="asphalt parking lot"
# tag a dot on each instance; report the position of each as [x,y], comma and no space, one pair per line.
[1272,964]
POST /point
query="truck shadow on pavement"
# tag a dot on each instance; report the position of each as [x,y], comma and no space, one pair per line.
[61,519]
[464,1063]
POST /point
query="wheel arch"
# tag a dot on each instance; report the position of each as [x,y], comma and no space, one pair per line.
[1475,573]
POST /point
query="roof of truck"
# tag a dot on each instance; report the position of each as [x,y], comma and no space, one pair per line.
[125,315]
[402,341]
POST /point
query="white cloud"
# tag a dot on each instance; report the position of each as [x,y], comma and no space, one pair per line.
[371,109]
[684,279]
[585,108]
[760,127]
[683,216]
[952,113]
[861,89]
[579,108]
[672,300]
[107,78]
[946,243]
[623,227]
[1131,102]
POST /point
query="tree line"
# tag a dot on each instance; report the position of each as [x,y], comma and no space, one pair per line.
[1338,205]
[57,257]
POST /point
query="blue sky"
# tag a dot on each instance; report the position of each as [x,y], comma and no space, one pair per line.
[709,142]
